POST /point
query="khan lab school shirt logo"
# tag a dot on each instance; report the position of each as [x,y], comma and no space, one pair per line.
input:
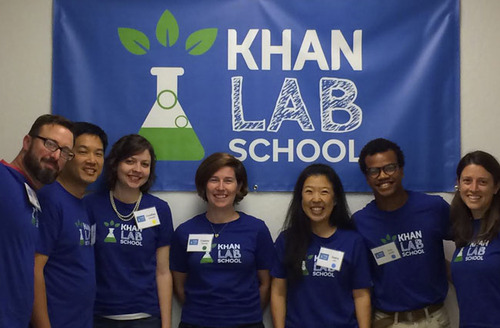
[473,252]
[318,271]
[128,234]
[167,120]
[226,253]
[84,232]
[410,243]
[34,217]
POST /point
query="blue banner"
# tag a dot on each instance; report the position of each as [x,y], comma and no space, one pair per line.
[277,83]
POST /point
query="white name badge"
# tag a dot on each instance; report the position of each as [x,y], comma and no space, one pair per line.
[330,258]
[200,242]
[386,253]
[32,197]
[146,218]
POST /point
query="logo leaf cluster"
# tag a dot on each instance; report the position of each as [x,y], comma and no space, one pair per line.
[112,224]
[167,34]
[388,239]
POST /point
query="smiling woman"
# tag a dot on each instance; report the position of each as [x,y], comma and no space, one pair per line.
[133,232]
[318,253]
[220,259]
[475,213]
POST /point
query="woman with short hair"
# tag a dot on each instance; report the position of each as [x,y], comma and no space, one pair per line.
[220,259]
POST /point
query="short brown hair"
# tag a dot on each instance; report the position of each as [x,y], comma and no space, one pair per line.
[49,119]
[215,162]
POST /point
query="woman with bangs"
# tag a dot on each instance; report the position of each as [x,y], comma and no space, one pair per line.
[321,277]
[133,233]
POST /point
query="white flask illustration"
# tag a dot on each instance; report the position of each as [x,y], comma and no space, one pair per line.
[167,126]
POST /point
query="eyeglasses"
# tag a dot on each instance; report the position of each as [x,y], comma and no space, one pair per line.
[51,145]
[389,169]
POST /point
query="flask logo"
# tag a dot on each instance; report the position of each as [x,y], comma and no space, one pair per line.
[167,126]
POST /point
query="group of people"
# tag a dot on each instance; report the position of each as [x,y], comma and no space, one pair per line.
[112,259]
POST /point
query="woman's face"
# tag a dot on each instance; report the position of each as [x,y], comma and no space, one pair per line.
[318,198]
[477,188]
[222,188]
[133,172]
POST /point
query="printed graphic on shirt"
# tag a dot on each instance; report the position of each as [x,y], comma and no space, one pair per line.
[410,243]
[226,253]
[34,217]
[318,271]
[85,233]
[129,234]
[305,272]
[110,237]
[473,252]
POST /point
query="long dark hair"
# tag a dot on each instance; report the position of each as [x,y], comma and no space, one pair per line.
[297,226]
[461,215]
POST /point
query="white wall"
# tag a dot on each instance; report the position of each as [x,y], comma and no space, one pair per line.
[25,82]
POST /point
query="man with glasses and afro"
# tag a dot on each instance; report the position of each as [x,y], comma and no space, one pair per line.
[45,150]
[404,231]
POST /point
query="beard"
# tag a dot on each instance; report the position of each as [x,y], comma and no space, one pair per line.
[33,166]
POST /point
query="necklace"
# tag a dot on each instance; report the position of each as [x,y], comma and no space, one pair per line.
[216,234]
[131,214]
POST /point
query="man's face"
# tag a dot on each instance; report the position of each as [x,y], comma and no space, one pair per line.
[87,165]
[42,164]
[385,184]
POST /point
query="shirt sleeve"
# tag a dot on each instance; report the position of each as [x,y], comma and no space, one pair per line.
[264,255]
[444,212]
[165,228]
[361,273]
[49,226]
[178,254]
[278,270]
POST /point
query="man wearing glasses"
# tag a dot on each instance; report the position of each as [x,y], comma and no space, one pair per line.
[45,151]
[404,231]
[64,259]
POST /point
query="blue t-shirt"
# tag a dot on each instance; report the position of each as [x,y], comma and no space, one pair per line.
[65,237]
[475,270]
[18,235]
[222,287]
[126,256]
[323,297]
[418,228]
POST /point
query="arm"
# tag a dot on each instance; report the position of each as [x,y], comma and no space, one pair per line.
[278,302]
[179,281]
[448,271]
[40,315]
[362,304]
[264,287]
[164,283]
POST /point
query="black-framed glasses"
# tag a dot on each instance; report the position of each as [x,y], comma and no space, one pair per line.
[389,169]
[52,145]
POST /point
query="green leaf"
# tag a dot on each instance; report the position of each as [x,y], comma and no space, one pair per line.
[133,40]
[394,238]
[167,29]
[388,237]
[117,225]
[310,257]
[383,241]
[201,41]
[106,224]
